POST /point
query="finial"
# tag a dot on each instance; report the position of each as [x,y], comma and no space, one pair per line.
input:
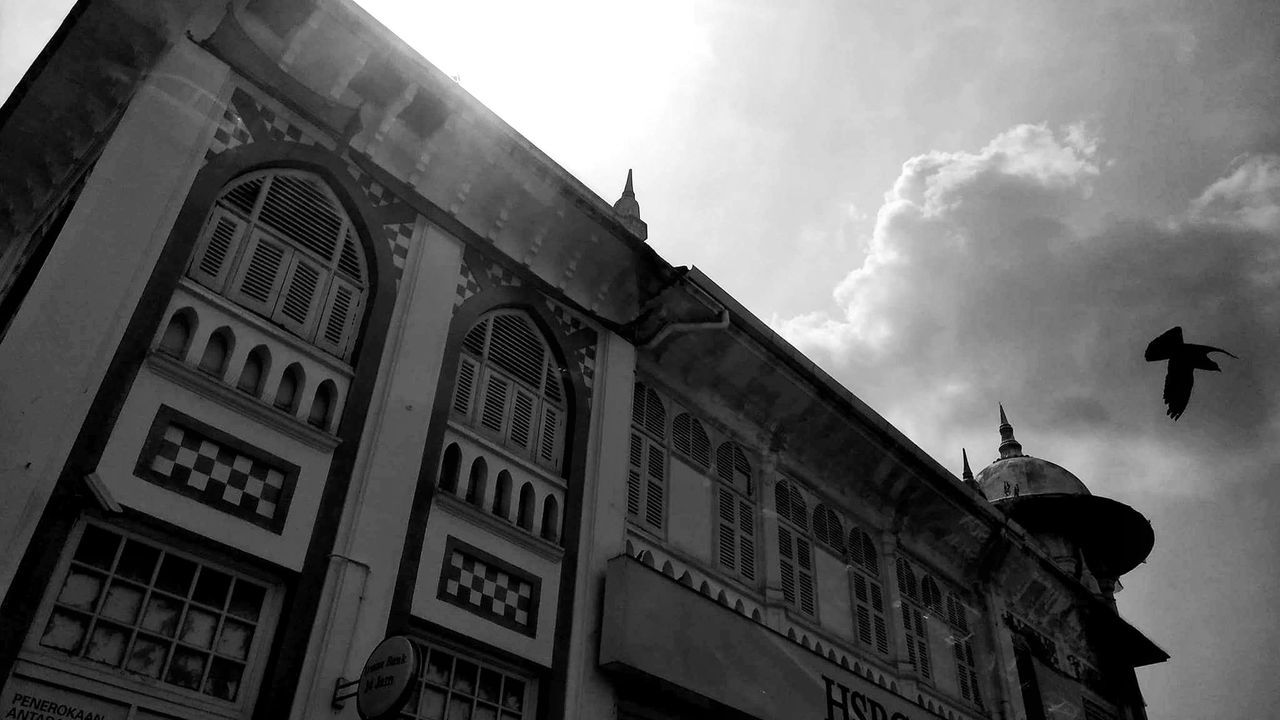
[1009,447]
[628,210]
[968,474]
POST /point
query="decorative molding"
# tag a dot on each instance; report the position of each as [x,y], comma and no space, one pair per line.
[490,587]
[195,459]
[501,526]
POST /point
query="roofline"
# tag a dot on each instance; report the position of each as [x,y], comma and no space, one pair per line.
[19,92]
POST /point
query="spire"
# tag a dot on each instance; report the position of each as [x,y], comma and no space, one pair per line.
[967,475]
[1009,447]
[628,210]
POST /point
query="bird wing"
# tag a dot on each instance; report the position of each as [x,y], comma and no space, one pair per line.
[1209,349]
[1177,387]
[1163,347]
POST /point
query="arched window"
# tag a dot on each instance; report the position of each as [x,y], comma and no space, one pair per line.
[828,529]
[502,496]
[450,469]
[732,467]
[647,461]
[177,334]
[510,387]
[254,370]
[550,518]
[321,412]
[279,243]
[689,438]
[930,595]
[216,351]
[290,389]
[795,551]
[868,594]
[735,512]
[476,481]
[524,512]
[915,631]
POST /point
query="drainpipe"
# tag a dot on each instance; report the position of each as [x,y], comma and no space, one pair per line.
[718,324]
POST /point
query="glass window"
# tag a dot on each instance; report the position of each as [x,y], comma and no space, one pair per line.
[451,685]
[138,608]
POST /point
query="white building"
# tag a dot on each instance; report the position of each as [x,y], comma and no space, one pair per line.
[303,347]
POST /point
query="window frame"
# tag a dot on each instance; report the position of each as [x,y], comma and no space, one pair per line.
[641,476]
[140,690]
[799,548]
[481,660]
[879,637]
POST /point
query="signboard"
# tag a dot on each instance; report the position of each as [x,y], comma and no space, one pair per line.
[665,630]
[387,677]
[25,699]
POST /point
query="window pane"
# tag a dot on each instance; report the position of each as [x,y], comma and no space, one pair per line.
[147,656]
[246,600]
[211,588]
[198,628]
[138,561]
[123,602]
[186,669]
[176,575]
[459,708]
[234,639]
[97,547]
[81,589]
[65,631]
[464,677]
[162,615]
[224,679]
[490,684]
[106,645]
[438,668]
[486,712]
[513,694]
[432,705]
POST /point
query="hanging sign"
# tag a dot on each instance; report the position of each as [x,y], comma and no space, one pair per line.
[387,677]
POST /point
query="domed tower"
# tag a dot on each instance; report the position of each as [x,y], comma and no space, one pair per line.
[1095,539]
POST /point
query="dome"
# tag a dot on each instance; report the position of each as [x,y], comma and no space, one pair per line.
[1046,498]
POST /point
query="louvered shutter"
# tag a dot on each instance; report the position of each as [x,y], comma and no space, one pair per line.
[493,406]
[260,274]
[549,433]
[881,625]
[217,249]
[746,539]
[728,529]
[869,613]
[338,318]
[296,308]
[917,640]
[804,575]
[786,564]
[635,474]
[521,431]
[465,387]
[655,486]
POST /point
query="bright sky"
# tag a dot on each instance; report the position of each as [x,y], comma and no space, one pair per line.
[958,202]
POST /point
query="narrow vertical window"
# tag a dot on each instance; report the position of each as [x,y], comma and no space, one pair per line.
[795,551]
[961,641]
[914,628]
[735,513]
[868,593]
[647,459]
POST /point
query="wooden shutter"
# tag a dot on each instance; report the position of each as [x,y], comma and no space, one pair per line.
[917,637]
[521,432]
[655,485]
[493,406]
[465,387]
[804,575]
[217,249]
[635,472]
[260,274]
[728,529]
[868,599]
[747,539]
[304,282]
[787,563]
[549,436]
[339,317]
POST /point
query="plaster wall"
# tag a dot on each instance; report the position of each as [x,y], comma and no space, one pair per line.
[362,571]
[78,307]
[689,518]
[833,594]
[452,520]
[116,469]
[589,694]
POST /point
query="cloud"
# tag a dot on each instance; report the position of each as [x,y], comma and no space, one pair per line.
[985,282]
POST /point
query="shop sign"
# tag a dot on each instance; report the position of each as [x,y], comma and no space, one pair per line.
[387,677]
[23,699]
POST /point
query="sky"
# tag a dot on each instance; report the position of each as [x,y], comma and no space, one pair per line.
[952,204]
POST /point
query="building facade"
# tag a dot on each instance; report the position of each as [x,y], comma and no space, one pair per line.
[304,347]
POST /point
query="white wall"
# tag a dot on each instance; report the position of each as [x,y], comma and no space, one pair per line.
[67,330]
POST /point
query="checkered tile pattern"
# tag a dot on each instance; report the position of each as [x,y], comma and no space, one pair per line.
[219,476]
[569,321]
[378,195]
[467,285]
[231,133]
[398,236]
[488,590]
[280,128]
[586,357]
[499,275]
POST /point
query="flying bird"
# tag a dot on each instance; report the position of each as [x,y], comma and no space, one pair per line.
[1184,359]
